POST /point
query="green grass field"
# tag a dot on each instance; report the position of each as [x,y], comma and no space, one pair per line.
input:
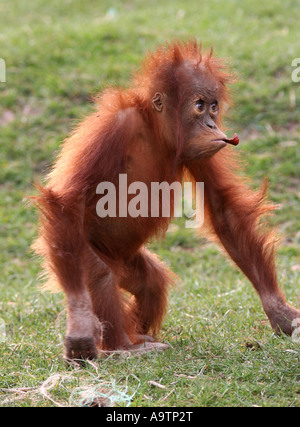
[223,351]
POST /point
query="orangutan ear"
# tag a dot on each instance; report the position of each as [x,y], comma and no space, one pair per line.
[157,101]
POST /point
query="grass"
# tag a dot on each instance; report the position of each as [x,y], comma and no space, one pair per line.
[223,352]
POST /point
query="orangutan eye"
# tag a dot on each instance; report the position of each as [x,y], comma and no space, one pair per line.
[214,108]
[199,105]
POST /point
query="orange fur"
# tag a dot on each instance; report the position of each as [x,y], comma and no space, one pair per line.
[98,262]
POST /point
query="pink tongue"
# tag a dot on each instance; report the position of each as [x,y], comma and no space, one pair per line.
[234,141]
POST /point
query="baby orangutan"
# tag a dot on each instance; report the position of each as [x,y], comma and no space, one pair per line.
[167,124]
